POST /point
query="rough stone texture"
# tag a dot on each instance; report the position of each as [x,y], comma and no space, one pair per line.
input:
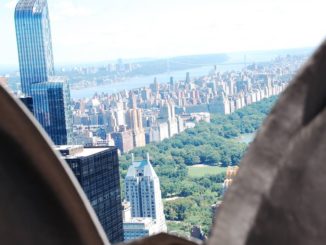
[278,197]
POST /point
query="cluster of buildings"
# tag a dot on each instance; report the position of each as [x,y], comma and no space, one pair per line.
[90,76]
[120,67]
[121,122]
[130,119]
[96,168]
[86,131]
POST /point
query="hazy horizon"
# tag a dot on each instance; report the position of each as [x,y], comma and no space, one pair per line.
[86,32]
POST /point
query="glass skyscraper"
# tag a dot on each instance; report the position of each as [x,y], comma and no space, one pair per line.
[97,170]
[50,95]
[51,102]
[34,43]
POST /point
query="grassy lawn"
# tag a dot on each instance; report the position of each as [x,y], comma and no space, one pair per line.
[200,171]
[178,228]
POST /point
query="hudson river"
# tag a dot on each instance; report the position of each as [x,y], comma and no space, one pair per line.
[145,81]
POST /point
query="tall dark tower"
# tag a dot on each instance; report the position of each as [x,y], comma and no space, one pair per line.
[97,170]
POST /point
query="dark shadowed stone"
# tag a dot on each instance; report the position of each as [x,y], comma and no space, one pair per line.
[279,196]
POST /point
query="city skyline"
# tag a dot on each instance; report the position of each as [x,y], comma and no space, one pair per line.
[126,30]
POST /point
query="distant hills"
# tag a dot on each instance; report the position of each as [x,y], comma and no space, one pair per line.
[178,63]
[161,65]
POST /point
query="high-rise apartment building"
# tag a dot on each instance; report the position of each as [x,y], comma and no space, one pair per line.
[142,189]
[50,96]
[51,105]
[123,140]
[97,170]
[34,43]
[135,123]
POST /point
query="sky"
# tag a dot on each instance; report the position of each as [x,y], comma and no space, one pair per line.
[103,30]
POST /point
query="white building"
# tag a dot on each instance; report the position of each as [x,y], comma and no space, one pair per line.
[164,131]
[137,228]
[142,188]
[173,127]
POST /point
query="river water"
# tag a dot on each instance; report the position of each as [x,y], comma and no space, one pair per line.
[234,63]
[145,81]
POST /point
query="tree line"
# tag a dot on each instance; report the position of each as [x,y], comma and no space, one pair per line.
[212,144]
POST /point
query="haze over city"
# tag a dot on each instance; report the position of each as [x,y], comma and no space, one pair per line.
[92,31]
[151,107]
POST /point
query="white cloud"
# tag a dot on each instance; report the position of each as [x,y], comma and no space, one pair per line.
[85,30]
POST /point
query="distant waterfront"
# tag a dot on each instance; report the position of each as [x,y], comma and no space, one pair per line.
[145,81]
[236,63]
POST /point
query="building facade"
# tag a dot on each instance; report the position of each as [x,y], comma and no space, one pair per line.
[142,189]
[50,95]
[123,140]
[28,102]
[137,228]
[97,170]
[33,33]
[51,105]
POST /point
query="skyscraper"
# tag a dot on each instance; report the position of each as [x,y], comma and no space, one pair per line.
[28,102]
[142,188]
[123,140]
[34,43]
[134,121]
[97,170]
[50,95]
[51,104]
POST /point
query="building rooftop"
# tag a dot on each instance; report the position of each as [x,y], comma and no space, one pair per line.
[141,168]
[30,5]
[136,222]
[77,151]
